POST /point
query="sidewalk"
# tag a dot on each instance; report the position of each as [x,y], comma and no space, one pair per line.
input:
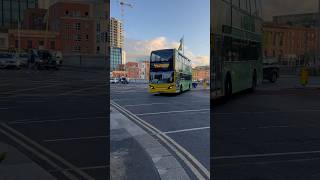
[17,166]
[134,154]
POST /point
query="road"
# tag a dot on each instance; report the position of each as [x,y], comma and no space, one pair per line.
[185,118]
[61,117]
[271,134]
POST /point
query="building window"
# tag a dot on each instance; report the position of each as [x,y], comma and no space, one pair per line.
[86,13]
[52,44]
[16,43]
[77,26]
[98,27]
[67,12]
[41,43]
[29,44]
[87,37]
[76,48]
[77,37]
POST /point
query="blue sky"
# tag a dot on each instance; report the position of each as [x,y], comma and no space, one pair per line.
[153,23]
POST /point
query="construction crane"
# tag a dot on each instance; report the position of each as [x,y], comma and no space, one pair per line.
[122,6]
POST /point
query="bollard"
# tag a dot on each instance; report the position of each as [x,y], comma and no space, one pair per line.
[304,76]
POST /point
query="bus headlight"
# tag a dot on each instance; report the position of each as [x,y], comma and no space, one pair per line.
[170,87]
[151,87]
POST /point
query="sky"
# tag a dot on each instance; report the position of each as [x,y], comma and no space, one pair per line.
[280,7]
[158,24]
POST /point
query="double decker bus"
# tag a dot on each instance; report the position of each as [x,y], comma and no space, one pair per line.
[236,46]
[170,72]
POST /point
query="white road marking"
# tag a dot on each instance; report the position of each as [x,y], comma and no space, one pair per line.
[85,168]
[147,104]
[55,120]
[43,149]
[268,162]
[4,108]
[265,155]
[266,112]
[181,152]
[79,90]
[169,112]
[186,130]
[75,138]
[35,88]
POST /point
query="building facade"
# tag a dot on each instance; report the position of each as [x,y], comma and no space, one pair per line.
[4,42]
[133,70]
[12,11]
[115,58]
[116,33]
[302,20]
[33,39]
[144,70]
[201,73]
[288,43]
[75,25]
[34,18]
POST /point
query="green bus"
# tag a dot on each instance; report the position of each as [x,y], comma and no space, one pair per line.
[236,46]
[170,72]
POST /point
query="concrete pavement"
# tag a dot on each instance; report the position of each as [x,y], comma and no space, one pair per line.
[135,154]
[16,166]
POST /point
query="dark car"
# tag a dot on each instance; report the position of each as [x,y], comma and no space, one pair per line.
[270,70]
[124,80]
[44,59]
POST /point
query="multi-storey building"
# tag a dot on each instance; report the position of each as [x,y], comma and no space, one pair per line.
[285,42]
[302,20]
[115,58]
[12,11]
[76,26]
[34,18]
[201,73]
[144,70]
[33,39]
[133,70]
[116,33]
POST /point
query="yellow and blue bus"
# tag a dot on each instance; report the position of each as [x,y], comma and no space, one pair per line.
[170,72]
[236,46]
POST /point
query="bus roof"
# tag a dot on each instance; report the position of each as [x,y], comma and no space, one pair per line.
[173,50]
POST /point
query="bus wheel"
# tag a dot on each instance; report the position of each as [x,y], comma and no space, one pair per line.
[228,88]
[181,89]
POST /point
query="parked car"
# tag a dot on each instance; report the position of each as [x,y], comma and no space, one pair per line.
[124,80]
[114,80]
[8,60]
[23,57]
[270,70]
[45,59]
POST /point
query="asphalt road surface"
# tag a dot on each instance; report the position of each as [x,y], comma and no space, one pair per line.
[60,117]
[185,118]
[272,134]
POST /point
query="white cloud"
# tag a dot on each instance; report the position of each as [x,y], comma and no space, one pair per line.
[141,49]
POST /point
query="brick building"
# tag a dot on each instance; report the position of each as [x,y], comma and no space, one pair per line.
[133,70]
[34,19]
[76,26]
[288,43]
[201,73]
[33,39]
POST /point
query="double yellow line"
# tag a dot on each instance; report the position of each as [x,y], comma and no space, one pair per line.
[190,161]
